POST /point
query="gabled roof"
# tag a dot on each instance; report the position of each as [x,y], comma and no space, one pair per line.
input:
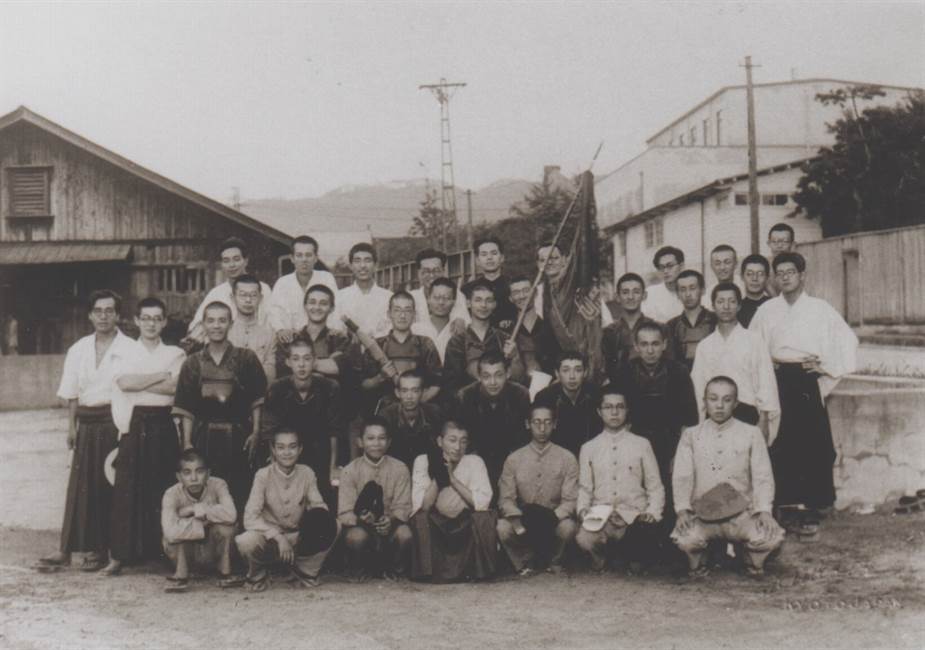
[23,114]
[711,188]
[794,82]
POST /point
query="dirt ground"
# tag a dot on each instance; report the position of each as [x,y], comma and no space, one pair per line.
[861,585]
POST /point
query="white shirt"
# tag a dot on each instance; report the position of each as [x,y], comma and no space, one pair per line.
[369,310]
[422,314]
[142,361]
[470,471]
[620,470]
[661,304]
[82,379]
[287,311]
[732,452]
[224,293]
[427,328]
[810,326]
[743,357]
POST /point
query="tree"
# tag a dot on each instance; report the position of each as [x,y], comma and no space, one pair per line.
[873,177]
[545,206]
[431,222]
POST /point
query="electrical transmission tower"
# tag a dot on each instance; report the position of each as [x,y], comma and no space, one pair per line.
[443,91]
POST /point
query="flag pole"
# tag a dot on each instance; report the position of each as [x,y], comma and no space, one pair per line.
[555,240]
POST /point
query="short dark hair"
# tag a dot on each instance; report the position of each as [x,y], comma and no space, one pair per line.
[246,278]
[300,338]
[377,421]
[547,244]
[755,258]
[490,239]
[722,379]
[668,250]
[491,358]
[691,273]
[192,455]
[102,294]
[218,304]
[571,355]
[520,277]
[233,242]
[480,284]
[459,425]
[429,253]
[400,294]
[794,258]
[612,389]
[535,406]
[651,326]
[630,277]
[316,288]
[305,239]
[724,248]
[150,302]
[444,282]
[413,373]
[783,227]
[362,247]
[280,431]
[726,286]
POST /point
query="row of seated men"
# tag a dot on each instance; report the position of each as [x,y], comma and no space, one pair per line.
[124,393]
[443,520]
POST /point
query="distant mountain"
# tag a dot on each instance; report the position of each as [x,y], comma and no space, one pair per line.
[385,209]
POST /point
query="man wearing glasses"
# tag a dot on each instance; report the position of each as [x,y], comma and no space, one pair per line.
[662,302]
[246,330]
[432,265]
[755,272]
[145,383]
[86,384]
[536,499]
[812,347]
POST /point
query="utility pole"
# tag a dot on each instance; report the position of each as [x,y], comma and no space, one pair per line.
[752,159]
[443,91]
[471,244]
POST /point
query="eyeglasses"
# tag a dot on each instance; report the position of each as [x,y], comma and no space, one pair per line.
[151,319]
[431,271]
[789,273]
[755,274]
[108,311]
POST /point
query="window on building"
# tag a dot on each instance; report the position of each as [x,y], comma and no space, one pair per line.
[29,191]
[774,199]
[721,201]
[180,279]
[693,136]
[621,243]
[706,132]
[681,140]
[741,198]
[719,121]
[654,232]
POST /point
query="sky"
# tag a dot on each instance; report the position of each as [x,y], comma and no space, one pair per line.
[296,99]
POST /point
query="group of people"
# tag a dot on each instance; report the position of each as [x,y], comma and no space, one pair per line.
[422,433]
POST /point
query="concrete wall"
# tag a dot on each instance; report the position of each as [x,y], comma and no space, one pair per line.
[30,382]
[879,430]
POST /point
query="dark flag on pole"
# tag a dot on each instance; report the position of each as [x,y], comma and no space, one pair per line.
[571,301]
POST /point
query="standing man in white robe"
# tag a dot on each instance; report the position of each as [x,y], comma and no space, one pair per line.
[365,302]
[287,311]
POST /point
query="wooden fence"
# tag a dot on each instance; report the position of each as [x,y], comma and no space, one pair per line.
[875,278]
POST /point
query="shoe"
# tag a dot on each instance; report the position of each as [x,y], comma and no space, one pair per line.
[230,582]
[111,570]
[91,564]
[58,559]
[700,572]
[178,586]
[393,576]
[526,572]
[555,569]
[47,568]
[258,585]
[306,581]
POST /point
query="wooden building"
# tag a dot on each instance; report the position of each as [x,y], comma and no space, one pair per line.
[75,217]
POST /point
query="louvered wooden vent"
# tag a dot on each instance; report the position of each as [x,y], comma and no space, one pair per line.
[29,191]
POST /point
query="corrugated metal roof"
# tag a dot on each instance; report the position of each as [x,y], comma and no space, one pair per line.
[15,253]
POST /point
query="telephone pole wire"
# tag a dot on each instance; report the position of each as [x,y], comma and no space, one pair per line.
[443,91]
[752,158]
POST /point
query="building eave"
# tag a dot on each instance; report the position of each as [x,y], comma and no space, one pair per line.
[24,115]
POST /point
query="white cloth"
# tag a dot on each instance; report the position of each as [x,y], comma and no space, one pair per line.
[421,313]
[82,379]
[470,471]
[661,304]
[142,361]
[426,328]
[223,293]
[810,326]
[606,316]
[620,470]
[370,310]
[743,357]
[287,311]
[733,452]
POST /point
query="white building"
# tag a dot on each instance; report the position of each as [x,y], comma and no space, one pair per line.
[682,190]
